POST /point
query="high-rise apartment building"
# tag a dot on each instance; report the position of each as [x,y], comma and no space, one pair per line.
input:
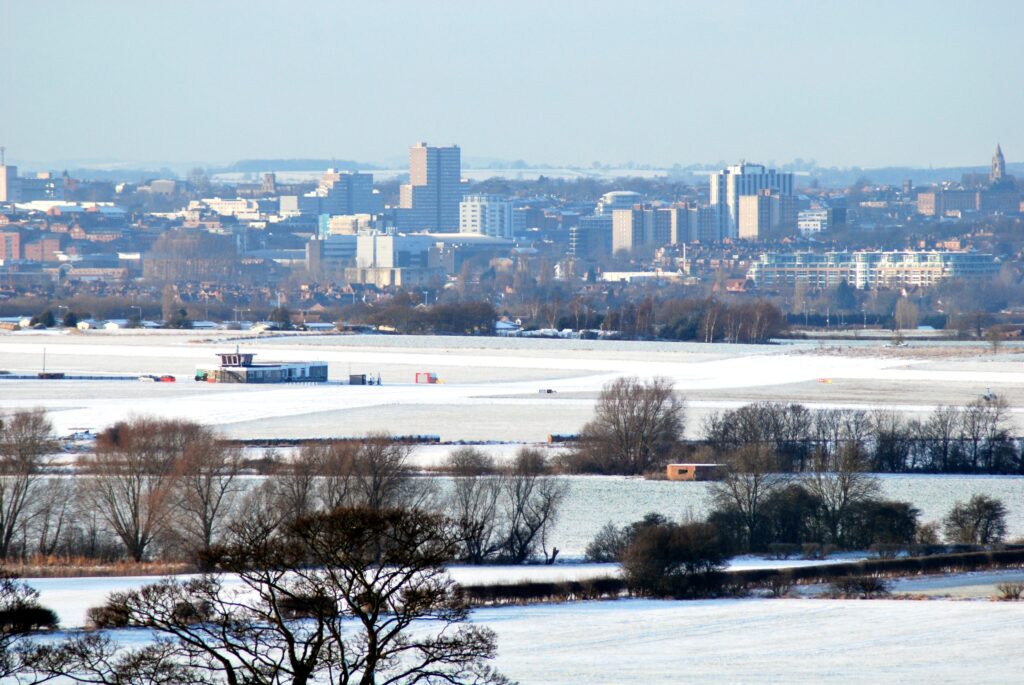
[10,186]
[430,201]
[10,245]
[729,185]
[643,227]
[346,193]
[766,215]
[486,215]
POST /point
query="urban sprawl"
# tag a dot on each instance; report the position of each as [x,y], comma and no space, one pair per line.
[553,254]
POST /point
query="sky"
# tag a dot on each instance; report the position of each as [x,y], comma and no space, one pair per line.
[868,83]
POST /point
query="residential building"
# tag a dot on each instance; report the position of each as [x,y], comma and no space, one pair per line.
[591,236]
[617,199]
[10,245]
[349,224]
[10,186]
[734,182]
[766,215]
[869,269]
[628,229]
[487,215]
[430,201]
[811,221]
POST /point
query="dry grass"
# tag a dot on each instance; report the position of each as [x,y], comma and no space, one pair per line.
[70,567]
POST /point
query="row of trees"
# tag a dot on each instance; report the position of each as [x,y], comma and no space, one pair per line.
[664,558]
[638,427]
[170,490]
[974,438]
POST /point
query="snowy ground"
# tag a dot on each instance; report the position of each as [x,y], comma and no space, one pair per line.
[491,385]
[753,641]
[760,641]
[71,598]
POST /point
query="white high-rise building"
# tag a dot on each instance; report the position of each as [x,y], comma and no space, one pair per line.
[486,215]
[728,185]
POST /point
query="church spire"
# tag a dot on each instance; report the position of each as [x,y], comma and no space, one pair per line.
[998,172]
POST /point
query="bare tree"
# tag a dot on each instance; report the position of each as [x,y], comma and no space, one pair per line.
[131,477]
[839,480]
[636,426]
[383,478]
[52,517]
[206,485]
[531,503]
[941,431]
[348,596]
[26,437]
[336,462]
[473,503]
[751,476]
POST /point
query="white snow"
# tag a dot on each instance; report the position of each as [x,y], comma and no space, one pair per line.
[564,371]
[760,641]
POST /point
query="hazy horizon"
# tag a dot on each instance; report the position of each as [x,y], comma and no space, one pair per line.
[873,85]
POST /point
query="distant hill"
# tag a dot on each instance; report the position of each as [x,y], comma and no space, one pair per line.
[258,165]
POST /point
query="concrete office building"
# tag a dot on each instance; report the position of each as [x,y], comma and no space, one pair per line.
[729,185]
[430,201]
[343,192]
[489,215]
[330,254]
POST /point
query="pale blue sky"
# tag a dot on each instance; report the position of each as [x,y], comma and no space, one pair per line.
[867,83]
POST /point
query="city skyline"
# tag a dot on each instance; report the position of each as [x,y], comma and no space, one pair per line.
[868,86]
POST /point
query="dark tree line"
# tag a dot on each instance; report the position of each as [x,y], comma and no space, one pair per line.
[970,439]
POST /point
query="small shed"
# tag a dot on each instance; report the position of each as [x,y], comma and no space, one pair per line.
[693,471]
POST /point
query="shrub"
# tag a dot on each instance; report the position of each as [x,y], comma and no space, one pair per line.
[26,618]
[980,520]
[782,550]
[860,587]
[610,542]
[607,545]
[674,560]
[1010,591]
[110,615]
[880,522]
[779,586]
[306,606]
[886,551]
[813,550]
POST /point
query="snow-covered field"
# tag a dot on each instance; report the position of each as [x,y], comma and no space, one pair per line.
[71,598]
[490,388]
[760,641]
[751,641]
